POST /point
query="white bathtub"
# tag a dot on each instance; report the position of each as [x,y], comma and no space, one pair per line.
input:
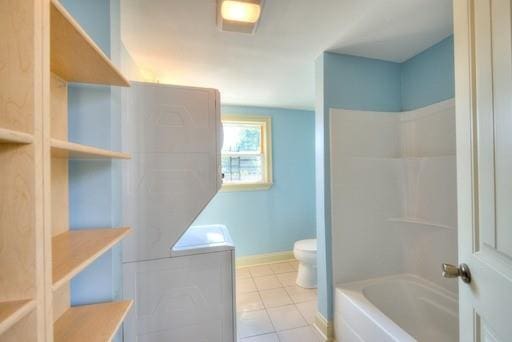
[403,307]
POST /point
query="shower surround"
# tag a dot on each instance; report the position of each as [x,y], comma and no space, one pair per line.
[393,194]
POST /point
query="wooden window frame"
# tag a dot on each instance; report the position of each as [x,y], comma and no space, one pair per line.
[266,151]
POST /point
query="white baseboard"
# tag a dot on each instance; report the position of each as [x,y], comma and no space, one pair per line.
[324,328]
[262,259]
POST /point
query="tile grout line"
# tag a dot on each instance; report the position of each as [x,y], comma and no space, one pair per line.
[266,311]
[265,308]
[270,318]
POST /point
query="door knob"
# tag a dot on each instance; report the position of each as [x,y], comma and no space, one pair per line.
[452,271]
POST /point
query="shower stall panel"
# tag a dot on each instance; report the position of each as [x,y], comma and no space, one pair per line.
[428,150]
[175,136]
[428,224]
[393,191]
[394,221]
[366,189]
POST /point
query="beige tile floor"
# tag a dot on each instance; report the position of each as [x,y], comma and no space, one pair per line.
[271,307]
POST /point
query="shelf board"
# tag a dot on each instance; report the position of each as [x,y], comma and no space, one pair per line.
[13,311]
[74,55]
[66,149]
[91,323]
[74,250]
[15,137]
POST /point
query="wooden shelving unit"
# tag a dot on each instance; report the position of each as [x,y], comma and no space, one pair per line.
[14,137]
[39,255]
[75,250]
[76,58]
[12,312]
[69,150]
[74,55]
[91,323]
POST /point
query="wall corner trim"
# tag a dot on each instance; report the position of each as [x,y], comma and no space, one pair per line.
[324,328]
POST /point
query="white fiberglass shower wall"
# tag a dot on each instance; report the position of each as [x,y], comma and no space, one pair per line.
[393,186]
[393,189]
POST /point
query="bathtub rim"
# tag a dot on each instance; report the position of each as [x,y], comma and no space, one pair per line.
[353,292]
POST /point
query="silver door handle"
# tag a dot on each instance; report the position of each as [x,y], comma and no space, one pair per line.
[451,271]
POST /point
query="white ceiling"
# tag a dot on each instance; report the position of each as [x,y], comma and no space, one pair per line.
[177,41]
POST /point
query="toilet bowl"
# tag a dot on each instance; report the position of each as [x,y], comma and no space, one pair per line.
[305,252]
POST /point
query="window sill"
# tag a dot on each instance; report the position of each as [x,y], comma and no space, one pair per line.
[245,187]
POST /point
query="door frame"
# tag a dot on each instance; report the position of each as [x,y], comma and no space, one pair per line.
[466,168]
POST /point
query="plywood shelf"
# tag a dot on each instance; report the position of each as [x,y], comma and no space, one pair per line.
[73,251]
[15,137]
[13,311]
[69,150]
[91,323]
[74,55]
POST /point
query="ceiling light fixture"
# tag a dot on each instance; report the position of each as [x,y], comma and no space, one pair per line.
[238,16]
[240,11]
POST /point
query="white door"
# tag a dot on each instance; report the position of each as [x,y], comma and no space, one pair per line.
[483,61]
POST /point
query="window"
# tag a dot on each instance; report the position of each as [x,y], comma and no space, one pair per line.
[246,153]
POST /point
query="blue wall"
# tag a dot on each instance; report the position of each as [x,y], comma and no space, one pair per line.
[359,83]
[429,76]
[94,17]
[94,119]
[272,220]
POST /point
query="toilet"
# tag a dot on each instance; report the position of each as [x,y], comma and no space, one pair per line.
[305,252]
